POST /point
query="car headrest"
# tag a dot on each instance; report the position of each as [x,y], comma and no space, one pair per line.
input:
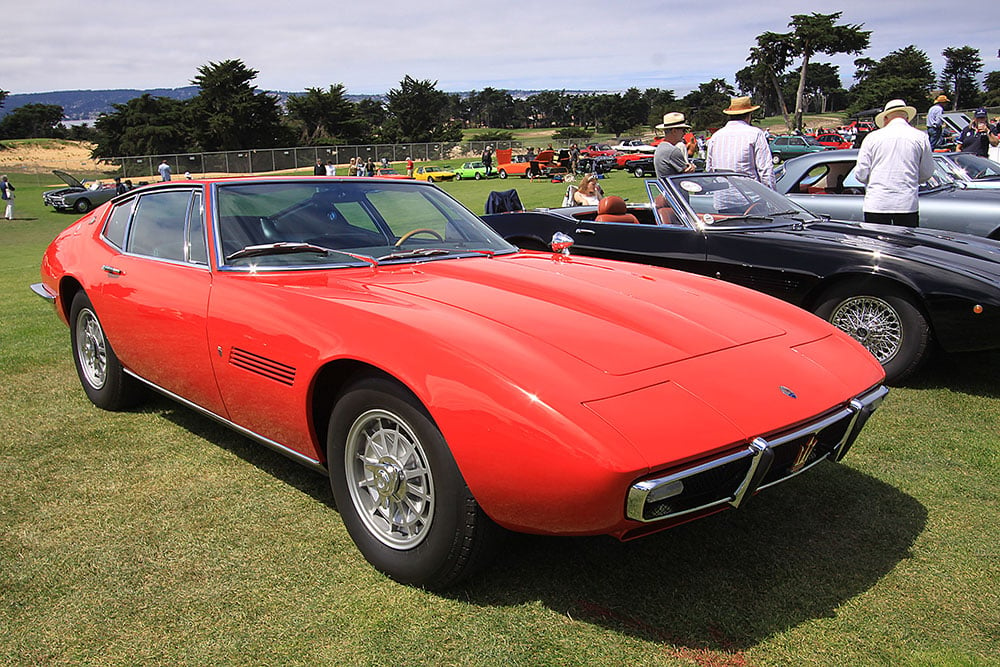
[612,205]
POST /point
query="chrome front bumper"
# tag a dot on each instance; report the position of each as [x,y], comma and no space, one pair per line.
[731,479]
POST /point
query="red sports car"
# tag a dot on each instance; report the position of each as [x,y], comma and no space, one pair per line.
[449,385]
[833,140]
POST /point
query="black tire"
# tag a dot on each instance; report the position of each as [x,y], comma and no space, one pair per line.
[638,172]
[458,177]
[82,205]
[379,437]
[775,159]
[478,176]
[502,174]
[101,374]
[885,320]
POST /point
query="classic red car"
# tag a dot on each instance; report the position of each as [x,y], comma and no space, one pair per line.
[542,164]
[833,140]
[595,150]
[449,385]
[622,159]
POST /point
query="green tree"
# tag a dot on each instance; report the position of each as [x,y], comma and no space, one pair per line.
[705,105]
[626,111]
[819,33]
[992,86]
[325,116]
[823,82]
[962,65]
[372,118]
[144,125]
[32,121]
[417,111]
[761,78]
[660,102]
[904,74]
[3,97]
[550,105]
[228,113]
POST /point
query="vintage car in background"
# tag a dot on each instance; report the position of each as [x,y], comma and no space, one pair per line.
[594,150]
[633,146]
[390,172]
[77,197]
[433,174]
[450,386]
[646,169]
[971,171]
[824,183]
[600,164]
[833,140]
[542,164]
[623,159]
[474,170]
[898,291]
[787,147]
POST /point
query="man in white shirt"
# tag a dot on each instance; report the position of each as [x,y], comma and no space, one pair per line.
[738,146]
[893,161]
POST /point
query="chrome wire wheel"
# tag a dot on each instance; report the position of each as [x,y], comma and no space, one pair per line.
[389,479]
[873,322]
[93,349]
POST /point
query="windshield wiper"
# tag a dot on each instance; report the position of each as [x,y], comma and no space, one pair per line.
[416,252]
[287,248]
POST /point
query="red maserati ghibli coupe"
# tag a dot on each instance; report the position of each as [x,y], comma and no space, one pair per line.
[449,385]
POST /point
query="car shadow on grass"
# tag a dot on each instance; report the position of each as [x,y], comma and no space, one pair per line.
[722,584]
[971,373]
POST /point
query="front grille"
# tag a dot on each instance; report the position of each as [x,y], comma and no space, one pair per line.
[770,459]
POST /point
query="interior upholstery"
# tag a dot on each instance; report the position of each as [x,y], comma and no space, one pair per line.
[614,209]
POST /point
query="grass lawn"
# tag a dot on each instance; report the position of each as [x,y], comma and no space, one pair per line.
[158,537]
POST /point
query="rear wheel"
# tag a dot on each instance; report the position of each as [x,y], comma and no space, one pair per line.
[883,319]
[399,491]
[776,159]
[101,374]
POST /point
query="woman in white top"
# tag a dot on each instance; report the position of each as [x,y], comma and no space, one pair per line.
[589,193]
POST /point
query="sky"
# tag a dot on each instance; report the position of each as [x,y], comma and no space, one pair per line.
[368,47]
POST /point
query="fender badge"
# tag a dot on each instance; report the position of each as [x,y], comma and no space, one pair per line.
[788,392]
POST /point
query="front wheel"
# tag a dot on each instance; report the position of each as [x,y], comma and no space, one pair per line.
[478,176]
[399,491]
[101,374]
[82,205]
[502,174]
[638,172]
[885,320]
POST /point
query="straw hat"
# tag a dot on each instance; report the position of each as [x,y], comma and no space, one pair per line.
[941,98]
[672,120]
[895,105]
[739,106]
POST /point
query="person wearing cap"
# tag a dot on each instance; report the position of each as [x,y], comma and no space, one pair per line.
[670,156]
[978,136]
[935,120]
[738,146]
[893,161]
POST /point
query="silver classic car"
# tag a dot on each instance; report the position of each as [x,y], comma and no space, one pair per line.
[824,184]
[77,197]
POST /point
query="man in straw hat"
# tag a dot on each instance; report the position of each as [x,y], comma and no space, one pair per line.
[935,120]
[893,161]
[670,156]
[738,146]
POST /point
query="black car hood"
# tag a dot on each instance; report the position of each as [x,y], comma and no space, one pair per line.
[70,180]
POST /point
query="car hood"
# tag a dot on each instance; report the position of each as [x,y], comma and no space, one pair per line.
[70,180]
[619,320]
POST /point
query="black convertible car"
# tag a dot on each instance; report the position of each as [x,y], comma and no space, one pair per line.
[894,289]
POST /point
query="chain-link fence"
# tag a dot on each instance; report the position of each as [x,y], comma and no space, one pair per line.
[267,160]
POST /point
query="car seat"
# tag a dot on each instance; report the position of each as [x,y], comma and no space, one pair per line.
[614,209]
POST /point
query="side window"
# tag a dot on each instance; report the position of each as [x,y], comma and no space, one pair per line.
[781,141]
[114,229]
[158,225]
[197,250]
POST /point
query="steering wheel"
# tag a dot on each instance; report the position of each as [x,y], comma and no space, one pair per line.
[979,175]
[422,230]
[751,207]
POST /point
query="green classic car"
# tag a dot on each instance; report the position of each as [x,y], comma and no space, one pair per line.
[787,147]
[476,170]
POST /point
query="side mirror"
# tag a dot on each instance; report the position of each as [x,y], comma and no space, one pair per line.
[561,243]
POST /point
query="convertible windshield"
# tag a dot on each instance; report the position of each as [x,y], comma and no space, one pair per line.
[283,224]
[727,199]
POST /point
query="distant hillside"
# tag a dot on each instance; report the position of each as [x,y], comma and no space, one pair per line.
[80,105]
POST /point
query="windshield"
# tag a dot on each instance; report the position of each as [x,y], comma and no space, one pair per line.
[280,224]
[976,166]
[725,199]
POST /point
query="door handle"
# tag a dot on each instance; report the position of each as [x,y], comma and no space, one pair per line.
[112,271]
[584,231]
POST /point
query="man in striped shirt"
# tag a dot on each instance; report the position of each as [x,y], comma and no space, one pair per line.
[738,146]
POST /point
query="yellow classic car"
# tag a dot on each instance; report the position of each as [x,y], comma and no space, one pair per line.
[433,174]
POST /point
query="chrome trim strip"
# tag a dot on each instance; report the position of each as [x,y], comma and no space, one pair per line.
[42,290]
[267,442]
[760,451]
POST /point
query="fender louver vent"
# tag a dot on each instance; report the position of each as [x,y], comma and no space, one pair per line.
[262,366]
